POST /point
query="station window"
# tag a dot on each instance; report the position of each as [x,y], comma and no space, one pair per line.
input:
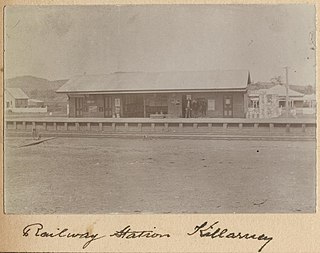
[211,105]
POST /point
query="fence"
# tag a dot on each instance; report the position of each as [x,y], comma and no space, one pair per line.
[233,126]
[28,110]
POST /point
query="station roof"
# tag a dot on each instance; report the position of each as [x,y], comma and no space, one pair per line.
[17,93]
[133,82]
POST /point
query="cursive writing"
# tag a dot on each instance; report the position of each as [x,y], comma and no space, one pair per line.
[216,232]
[36,229]
[127,233]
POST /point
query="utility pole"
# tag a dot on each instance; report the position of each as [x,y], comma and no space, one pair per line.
[287,92]
[118,39]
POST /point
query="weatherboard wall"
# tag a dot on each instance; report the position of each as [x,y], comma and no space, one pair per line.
[94,105]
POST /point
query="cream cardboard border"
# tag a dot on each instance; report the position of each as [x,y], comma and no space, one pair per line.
[291,232]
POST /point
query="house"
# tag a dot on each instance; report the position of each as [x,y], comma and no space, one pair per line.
[295,98]
[15,98]
[271,102]
[16,101]
[209,94]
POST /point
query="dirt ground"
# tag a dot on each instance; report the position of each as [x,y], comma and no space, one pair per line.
[110,175]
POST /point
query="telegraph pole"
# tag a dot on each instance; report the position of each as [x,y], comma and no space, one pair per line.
[287,92]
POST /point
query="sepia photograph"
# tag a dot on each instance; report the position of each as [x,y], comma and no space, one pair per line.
[160,109]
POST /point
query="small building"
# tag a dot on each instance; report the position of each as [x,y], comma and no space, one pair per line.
[15,98]
[310,101]
[309,105]
[208,94]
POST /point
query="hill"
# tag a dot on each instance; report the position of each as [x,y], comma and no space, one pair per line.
[32,83]
[38,88]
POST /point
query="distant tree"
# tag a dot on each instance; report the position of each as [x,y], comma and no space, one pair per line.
[309,89]
[312,40]
[51,94]
[276,80]
[34,93]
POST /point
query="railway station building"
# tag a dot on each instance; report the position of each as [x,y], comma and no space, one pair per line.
[184,94]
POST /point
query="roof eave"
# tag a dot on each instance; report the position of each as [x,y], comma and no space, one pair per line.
[153,91]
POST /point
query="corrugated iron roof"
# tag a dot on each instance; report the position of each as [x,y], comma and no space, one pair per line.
[17,93]
[35,100]
[279,90]
[158,81]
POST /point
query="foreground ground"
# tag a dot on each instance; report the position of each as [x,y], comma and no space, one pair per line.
[110,175]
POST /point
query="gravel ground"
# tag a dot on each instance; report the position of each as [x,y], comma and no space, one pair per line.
[110,175]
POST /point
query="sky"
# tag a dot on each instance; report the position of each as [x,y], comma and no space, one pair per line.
[59,42]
